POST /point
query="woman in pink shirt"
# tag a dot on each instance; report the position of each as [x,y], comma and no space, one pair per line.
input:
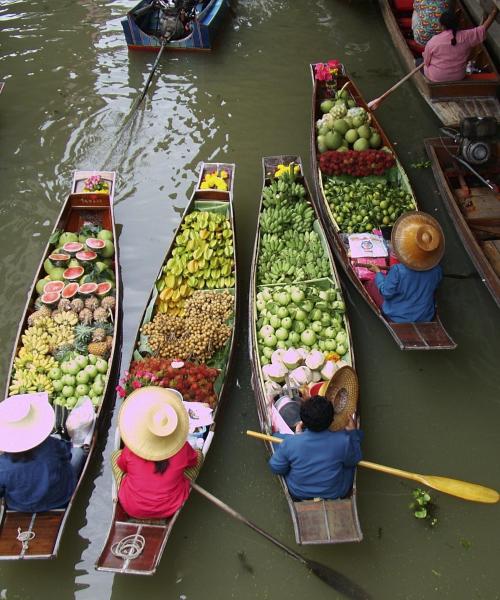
[446,54]
[154,427]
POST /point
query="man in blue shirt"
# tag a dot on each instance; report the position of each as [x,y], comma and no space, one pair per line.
[36,473]
[407,291]
[318,463]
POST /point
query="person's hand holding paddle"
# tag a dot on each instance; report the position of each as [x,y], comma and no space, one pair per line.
[373,268]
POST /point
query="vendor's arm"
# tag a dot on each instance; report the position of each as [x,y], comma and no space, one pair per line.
[388,285]
[279,461]
[353,451]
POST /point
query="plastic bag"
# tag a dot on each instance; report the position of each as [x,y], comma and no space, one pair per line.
[80,421]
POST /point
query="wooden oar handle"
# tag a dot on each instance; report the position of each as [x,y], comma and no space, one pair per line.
[263,436]
[368,265]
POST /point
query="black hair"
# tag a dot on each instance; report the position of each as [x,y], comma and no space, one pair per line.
[161,466]
[316,413]
[449,20]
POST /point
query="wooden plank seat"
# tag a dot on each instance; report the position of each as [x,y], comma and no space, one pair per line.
[491,250]
[328,521]
[45,527]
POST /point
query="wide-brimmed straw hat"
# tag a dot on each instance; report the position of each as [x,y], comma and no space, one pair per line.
[26,420]
[418,240]
[342,391]
[153,422]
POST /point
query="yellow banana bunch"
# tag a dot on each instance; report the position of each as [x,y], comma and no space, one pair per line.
[66,318]
[26,381]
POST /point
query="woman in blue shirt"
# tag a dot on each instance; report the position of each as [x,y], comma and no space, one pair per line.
[36,470]
[407,291]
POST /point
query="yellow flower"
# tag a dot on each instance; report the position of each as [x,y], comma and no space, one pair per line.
[224,174]
[204,185]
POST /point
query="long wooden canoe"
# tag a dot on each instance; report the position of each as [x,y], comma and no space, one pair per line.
[156,533]
[314,522]
[44,530]
[473,208]
[409,336]
[142,26]
[474,96]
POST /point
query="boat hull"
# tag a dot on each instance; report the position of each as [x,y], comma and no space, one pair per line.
[201,37]
[314,522]
[48,527]
[409,336]
[157,532]
[475,212]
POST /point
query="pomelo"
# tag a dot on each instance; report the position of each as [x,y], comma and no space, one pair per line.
[351,136]
[67,236]
[375,140]
[361,144]
[326,105]
[341,126]
[57,273]
[109,249]
[40,284]
[321,141]
[364,132]
[333,140]
[105,234]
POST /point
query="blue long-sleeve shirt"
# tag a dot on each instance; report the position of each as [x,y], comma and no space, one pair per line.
[408,294]
[43,483]
[318,464]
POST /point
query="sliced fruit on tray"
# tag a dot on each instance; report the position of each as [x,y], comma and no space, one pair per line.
[103,288]
[86,256]
[72,247]
[73,273]
[50,298]
[69,291]
[86,289]
[95,244]
[53,286]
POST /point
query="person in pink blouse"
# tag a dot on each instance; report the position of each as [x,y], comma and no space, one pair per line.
[446,54]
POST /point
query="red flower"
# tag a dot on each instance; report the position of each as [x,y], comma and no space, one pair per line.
[121,392]
[136,384]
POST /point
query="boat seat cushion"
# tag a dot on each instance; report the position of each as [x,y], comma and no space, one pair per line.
[403,6]
[415,47]
[404,23]
[481,76]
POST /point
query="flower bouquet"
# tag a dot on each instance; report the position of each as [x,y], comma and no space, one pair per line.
[95,183]
[328,72]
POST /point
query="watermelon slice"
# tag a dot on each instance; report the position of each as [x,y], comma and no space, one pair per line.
[86,256]
[53,286]
[69,290]
[73,272]
[104,288]
[86,289]
[50,298]
[72,247]
[95,244]
[59,259]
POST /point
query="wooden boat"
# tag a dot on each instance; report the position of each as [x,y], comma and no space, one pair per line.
[473,207]
[474,96]
[314,522]
[154,534]
[42,531]
[408,336]
[144,24]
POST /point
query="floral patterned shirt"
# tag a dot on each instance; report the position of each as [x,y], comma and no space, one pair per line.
[425,19]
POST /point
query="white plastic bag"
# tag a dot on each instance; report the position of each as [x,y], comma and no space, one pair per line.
[80,421]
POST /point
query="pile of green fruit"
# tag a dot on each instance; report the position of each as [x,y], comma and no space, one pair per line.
[291,257]
[345,126]
[201,259]
[365,203]
[293,316]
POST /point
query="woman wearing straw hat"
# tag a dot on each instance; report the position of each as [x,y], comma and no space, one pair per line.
[406,293]
[154,427]
[37,471]
[320,461]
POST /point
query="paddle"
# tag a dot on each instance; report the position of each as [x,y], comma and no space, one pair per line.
[374,104]
[454,487]
[331,577]
[163,45]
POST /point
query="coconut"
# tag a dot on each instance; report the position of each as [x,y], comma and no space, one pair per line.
[274,372]
[301,376]
[329,369]
[315,360]
[291,358]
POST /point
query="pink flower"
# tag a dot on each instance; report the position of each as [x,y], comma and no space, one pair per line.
[333,64]
[322,72]
[126,374]
[136,384]
[121,392]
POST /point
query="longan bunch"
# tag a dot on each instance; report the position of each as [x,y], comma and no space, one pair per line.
[198,334]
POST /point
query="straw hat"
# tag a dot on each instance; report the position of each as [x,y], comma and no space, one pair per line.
[418,240]
[26,420]
[342,391]
[153,422]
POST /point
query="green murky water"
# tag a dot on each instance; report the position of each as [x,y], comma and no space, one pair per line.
[70,85]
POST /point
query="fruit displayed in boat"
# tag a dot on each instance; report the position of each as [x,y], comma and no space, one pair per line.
[215,180]
[86,256]
[87,289]
[300,316]
[69,291]
[198,334]
[72,273]
[53,286]
[362,205]
[59,259]
[72,247]
[103,289]
[202,258]
[358,164]
[50,298]
[95,244]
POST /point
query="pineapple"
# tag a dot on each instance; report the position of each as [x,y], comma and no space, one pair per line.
[98,348]
[63,352]
[109,342]
[77,305]
[83,335]
[108,303]
[99,335]
[100,315]
[92,303]
[63,305]
[85,316]
[38,314]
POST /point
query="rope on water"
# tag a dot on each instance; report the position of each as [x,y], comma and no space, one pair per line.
[24,537]
[129,547]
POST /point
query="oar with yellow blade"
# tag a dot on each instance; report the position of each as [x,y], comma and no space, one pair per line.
[454,487]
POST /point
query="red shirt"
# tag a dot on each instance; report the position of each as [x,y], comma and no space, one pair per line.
[145,494]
